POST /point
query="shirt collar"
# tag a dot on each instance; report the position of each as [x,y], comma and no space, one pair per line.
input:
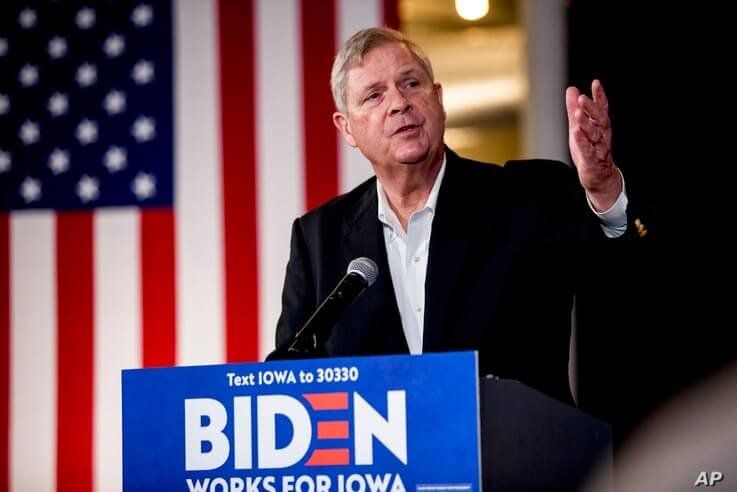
[385,212]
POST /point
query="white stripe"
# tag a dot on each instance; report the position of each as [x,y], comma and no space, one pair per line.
[353,15]
[117,333]
[199,252]
[33,352]
[544,116]
[280,154]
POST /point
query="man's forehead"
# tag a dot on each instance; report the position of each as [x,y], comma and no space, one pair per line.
[383,49]
[407,64]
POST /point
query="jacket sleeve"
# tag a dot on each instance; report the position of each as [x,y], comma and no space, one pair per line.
[298,296]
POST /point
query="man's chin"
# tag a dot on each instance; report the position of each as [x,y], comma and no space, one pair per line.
[414,155]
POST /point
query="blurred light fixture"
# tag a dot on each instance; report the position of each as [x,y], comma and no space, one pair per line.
[472,9]
[465,137]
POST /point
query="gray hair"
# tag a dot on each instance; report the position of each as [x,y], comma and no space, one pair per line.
[355,49]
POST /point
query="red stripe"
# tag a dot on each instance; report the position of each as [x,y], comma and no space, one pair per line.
[4,351]
[391,13]
[336,429]
[320,137]
[158,288]
[75,317]
[326,457]
[237,103]
[327,401]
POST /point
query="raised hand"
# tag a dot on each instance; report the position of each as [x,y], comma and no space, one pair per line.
[590,142]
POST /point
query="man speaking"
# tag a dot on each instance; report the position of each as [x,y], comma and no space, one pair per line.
[470,256]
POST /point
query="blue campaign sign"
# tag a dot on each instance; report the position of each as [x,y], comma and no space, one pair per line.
[361,424]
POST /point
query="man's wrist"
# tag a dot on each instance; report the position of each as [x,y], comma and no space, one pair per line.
[603,200]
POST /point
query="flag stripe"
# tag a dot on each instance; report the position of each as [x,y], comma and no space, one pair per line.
[4,349]
[117,333]
[158,288]
[321,149]
[199,274]
[33,352]
[280,152]
[391,13]
[353,15]
[74,260]
[237,99]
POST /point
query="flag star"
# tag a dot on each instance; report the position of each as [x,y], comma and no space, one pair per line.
[27,18]
[142,15]
[28,75]
[86,75]
[114,102]
[29,132]
[4,103]
[59,161]
[144,129]
[88,189]
[58,104]
[5,161]
[30,189]
[3,46]
[114,45]
[144,185]
[85,18]
[87,132]
[143,72]
[115,159]
[57,47]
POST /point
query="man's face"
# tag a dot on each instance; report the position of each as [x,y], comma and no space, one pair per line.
[395,113]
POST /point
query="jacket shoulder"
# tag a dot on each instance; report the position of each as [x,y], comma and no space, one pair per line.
[340,207]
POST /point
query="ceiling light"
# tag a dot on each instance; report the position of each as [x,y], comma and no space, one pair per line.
[472,9]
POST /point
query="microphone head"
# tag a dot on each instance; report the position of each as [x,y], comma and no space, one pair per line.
[366,268]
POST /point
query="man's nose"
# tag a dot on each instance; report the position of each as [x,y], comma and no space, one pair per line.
[399,103]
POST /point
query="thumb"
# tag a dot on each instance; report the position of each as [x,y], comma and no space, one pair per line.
[571,104]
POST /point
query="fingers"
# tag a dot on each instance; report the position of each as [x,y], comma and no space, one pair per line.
[593,111]
[593,133]
[597,91]
[589,125]
[572,95]
[584,146]
[596,108]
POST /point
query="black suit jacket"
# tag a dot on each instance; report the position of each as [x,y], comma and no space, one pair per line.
[508,249]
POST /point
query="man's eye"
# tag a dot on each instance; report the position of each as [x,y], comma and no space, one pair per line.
[372,97]
[413,83]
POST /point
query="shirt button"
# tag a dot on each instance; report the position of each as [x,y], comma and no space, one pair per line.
[418,308]
[416,259]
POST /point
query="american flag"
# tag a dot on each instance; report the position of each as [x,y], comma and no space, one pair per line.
[152,157]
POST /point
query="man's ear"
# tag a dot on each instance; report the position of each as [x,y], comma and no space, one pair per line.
[344,127]
[439,94]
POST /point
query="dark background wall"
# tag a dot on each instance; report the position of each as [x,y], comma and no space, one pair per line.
[663,323]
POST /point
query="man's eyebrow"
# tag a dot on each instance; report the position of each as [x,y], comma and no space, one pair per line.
[378,83]
[369,86]
[409,71]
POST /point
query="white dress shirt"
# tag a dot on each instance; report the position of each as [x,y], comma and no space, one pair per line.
[407,253]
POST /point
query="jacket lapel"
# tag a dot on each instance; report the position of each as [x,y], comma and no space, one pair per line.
[449,244]
[363,236]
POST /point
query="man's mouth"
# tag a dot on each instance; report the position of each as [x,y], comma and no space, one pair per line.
[405,129]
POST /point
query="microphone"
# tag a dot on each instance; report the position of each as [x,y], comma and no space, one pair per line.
[361,274]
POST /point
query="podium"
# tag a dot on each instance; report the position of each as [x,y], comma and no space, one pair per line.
[387,423]
[533,442]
